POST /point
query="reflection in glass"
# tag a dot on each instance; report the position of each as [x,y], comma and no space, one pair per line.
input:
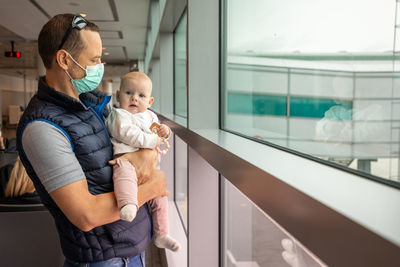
[181,178]
[250,238]
[180,81]
[330,89]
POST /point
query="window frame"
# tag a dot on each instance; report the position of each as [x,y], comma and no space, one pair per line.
[174,68]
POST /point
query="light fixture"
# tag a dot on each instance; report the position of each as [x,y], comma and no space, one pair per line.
[104,48]
[83,15]
[106,53]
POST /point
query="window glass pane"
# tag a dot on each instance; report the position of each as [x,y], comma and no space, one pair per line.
[180,74]
[181,172]
[318,77]
[251,238]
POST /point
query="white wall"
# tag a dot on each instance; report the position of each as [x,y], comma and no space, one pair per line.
[12,90]
[155,78]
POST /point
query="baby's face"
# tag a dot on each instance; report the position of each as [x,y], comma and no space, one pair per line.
[135,97]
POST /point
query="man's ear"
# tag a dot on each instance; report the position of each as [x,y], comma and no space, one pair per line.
[117,96]
[61,59]
[151,101]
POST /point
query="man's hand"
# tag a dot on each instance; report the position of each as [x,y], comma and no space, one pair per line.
[144,160]
[151,182]
[154,187]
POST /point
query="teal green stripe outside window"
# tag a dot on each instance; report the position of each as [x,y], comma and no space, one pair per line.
[257,104]
[261,104]
[320,108]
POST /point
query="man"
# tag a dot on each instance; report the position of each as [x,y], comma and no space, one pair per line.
[66,152]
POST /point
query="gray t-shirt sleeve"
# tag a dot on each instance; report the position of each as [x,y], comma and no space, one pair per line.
[50,153]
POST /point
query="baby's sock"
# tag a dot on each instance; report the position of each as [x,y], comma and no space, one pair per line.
[128,212]
[165,241]
[290,254]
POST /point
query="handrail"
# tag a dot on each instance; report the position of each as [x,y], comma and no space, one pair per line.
[334,238]
[21,207]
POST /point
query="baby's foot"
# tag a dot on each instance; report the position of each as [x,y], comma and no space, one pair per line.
[290,255]
[168,242]
[128,212]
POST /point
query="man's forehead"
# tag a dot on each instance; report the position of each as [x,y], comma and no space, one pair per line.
[92,41]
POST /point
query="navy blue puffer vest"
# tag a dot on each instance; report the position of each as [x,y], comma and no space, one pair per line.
[83,125]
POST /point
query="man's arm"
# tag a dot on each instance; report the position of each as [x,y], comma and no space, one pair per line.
[87,211]
[62,176]
[83,209]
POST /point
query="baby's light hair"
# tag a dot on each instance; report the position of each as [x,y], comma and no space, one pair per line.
[136,76]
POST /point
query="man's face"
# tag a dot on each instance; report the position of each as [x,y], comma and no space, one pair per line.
[90,55]
[135,97]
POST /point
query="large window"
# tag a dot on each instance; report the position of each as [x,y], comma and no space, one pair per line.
[251,238]
[318,77]
[180,70]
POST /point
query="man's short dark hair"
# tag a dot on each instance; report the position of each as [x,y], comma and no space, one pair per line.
[51,35]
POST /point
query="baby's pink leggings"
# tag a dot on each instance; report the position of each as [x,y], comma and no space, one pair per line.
[126,188]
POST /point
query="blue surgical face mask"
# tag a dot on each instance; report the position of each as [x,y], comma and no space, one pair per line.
[93,77]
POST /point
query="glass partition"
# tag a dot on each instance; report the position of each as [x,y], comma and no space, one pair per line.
[181,176]
[318,77]
[251,238]
[180,68]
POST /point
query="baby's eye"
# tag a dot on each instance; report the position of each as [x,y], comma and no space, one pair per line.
[128,93]
[142,95]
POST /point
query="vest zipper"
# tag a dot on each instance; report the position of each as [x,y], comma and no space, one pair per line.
[102,123]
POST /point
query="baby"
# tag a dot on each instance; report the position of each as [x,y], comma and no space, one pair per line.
[129,127]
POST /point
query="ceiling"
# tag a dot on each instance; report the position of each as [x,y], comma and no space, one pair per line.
[123,27]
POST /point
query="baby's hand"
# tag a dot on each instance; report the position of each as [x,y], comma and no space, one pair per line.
[163,131]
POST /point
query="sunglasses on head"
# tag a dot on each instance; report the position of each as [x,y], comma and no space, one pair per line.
[78,22]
